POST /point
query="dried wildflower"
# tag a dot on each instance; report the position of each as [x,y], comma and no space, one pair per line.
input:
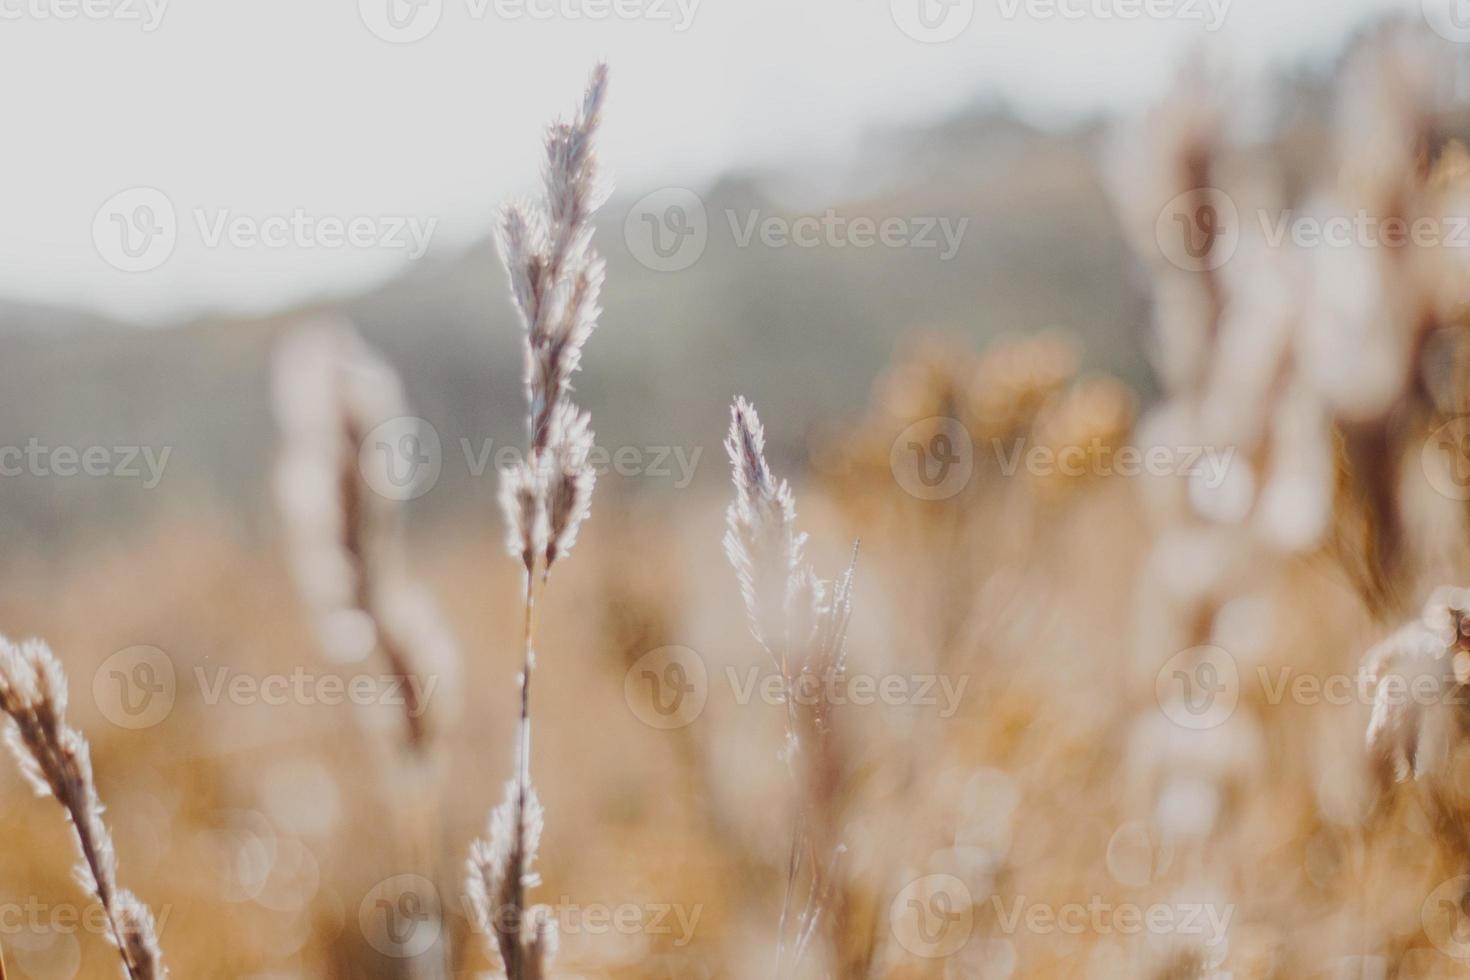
[56,760]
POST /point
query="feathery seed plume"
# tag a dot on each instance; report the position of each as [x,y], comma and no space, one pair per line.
[761,540]
[523,502]
[555,280]
[801,622]
[500,871]
[345,539]
[56,760]
[570,479]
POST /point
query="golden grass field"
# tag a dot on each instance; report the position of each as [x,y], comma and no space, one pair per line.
[256,830]
[1098,717]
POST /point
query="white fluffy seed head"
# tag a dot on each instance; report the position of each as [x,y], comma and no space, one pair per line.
[570,478]
[56,760]
[761,540]
[523,505]
[556,281]
[1429,651]
[500,869]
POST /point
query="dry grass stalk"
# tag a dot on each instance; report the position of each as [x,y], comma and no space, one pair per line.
[56,760]
[1419,731]
[1177,155]
[1305,363]
[1306,366]
[555,278]
[801,623]
[332,390]
[345,538]
[1365,356]
[1406,736]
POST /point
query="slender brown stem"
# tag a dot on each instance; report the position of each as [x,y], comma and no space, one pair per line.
[528,661]
[793,869]
[513,965]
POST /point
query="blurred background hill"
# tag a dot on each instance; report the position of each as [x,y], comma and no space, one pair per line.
[803,330]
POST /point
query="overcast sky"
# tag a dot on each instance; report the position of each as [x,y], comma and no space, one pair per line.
[163,156]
